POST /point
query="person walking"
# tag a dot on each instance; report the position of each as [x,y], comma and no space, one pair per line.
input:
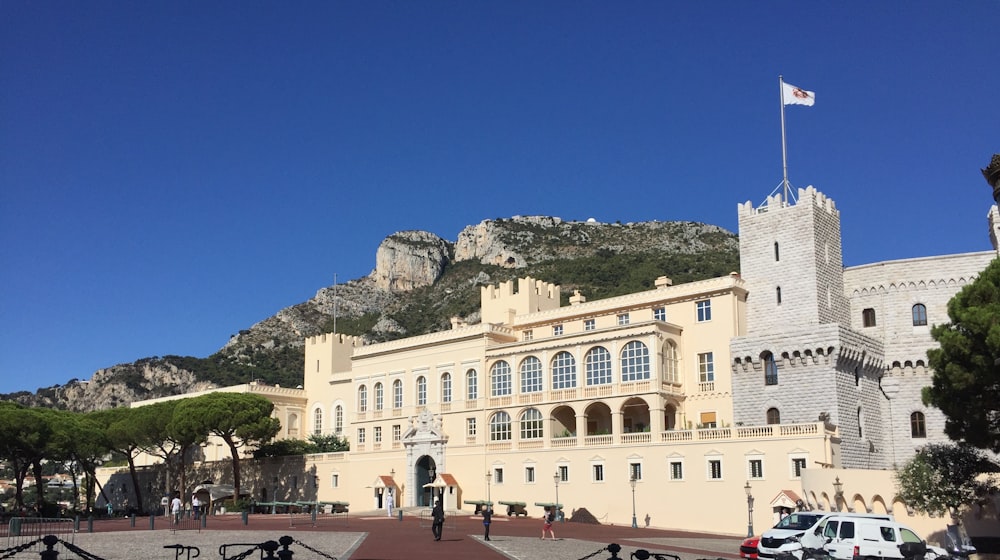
[487,518]
[175,507]
[550,517]
[195,506]
[438,514]
[389,502]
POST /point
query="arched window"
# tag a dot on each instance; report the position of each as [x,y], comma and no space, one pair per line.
[397,394]
[500,427]
[918,428]
[777,255]
[471,385]
[868,317]
[531,424]
[919,315]
[861,424]
[778,294]
[421,391]
[770,368]
[773,416]
[563,371]
[670,365]
[446,388]
[362,398]
[531,375]
[338,419]
[500,382]
[635,362]
[318,421]
[379,397]
[598,364]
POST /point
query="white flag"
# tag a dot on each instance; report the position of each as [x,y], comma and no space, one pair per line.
[791,95]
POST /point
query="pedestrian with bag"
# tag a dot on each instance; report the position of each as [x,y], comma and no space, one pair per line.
[438,514]
[487,518]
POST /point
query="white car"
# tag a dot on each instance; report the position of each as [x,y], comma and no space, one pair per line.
[852,538]
[784,537]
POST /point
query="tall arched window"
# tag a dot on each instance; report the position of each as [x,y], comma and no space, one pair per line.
[362,398]
[598,364]
[338,419]
[635,362]
[777,255]
[421,391]
[670,365]
[773,416]
[500,427]
[531,375]
[446,387]
[918,428]
[379,397]
[397,394]
[919,315]
[531,424]
[471,385]
[770,368]
[318,421]
[500,382]
[563,371]
[868,317]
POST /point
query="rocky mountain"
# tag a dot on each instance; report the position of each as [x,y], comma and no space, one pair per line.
[420,281]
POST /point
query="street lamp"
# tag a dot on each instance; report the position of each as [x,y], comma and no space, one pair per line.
[838,492]
[555,478]
[631,482]
[749,509]
[489,477]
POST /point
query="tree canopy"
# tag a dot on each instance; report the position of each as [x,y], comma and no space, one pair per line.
[966,382]
[945,479]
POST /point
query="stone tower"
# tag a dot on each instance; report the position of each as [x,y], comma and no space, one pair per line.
[800,360]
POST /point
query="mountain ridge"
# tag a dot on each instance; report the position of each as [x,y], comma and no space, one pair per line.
[420,281]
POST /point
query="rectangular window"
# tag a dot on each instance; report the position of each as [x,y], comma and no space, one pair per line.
[798,464]
[635,471]
[755,468]
[528,335]
[529,475]
[335,480]
[659,314]
[704,310]
[498,475]
[589,325]
[623,319]
[470,427]
[706,367]
[715,469]
[563,472]
[557,330]
[377,434]
[396,432]
[598,473]
[868,317]
[707,420]
[361,435]
[676,470]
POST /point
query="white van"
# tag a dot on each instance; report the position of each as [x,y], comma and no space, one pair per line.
[782,536]
[854,538]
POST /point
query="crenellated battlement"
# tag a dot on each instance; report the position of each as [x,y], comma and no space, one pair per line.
[501,303]
[776,202]
[336,339]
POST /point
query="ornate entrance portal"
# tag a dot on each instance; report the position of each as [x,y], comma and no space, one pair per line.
[425,445]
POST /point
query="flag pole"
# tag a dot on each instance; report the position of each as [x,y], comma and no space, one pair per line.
[784,153]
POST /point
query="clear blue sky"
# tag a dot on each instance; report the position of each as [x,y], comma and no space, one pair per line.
[173,172]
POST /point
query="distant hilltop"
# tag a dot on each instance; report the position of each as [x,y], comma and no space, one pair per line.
[419,283]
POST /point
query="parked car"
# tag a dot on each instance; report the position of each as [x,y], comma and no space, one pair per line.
[748,548]
[784,536]
[851,537]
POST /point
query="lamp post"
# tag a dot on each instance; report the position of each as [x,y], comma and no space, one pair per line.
[489,477]
[838,492]
[631,482]
[749,491]
[555,478]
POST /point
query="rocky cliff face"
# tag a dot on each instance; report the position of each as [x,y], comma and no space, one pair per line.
[405,262]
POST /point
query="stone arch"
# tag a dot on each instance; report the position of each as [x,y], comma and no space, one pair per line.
[635,415]
[858,504]
[670,416]
[563,419]
[598,419]
[878,505]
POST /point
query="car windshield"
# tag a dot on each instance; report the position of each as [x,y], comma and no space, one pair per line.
[798,521]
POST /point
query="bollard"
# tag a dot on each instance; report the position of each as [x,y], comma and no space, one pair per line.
[90,524]
[245,516]
[152,518]
[76,523]
[15,527]
[314,516]
[400,514]
[204,521]
[131,520]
